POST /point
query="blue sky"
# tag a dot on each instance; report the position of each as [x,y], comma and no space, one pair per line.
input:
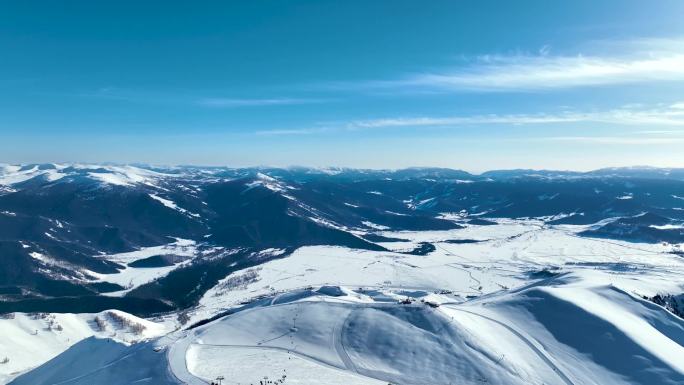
[475,85]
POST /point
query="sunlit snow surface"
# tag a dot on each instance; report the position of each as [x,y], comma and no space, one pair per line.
[30,339]
[106,174]
[520,302]
[132,277]
[208,362]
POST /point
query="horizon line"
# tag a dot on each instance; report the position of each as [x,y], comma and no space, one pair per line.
[340,168]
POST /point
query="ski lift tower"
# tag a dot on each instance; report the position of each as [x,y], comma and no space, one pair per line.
[219,379]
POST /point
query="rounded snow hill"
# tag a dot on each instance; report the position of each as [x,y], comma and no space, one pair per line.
[402,344]
[570,329]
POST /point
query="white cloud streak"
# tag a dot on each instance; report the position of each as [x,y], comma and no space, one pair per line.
[543,72]
[236,103]
[141,96]
[660,116]
[639,61]
[669,117]
[618,140]
[294,131]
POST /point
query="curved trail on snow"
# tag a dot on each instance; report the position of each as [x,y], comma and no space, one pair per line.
[527,341]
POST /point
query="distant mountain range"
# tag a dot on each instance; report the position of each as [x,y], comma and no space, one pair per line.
[63,228]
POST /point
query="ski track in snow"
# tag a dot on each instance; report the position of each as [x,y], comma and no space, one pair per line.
[339,345]
[528,341]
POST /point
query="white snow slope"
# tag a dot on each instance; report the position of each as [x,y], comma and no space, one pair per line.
[28,340]
[527,304]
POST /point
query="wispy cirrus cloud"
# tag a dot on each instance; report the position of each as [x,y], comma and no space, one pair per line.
[516,119]
[639,61]
[667,119]
[293,131]
[542,72]
[238,102]
[624,140]
[180,98]
[629,115]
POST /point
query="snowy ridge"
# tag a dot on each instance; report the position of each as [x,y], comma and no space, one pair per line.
[31,339]
[107,174]
[10,175]
[172,205]
[269,182]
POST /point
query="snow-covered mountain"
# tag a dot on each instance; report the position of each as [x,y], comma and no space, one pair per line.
[415,276]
